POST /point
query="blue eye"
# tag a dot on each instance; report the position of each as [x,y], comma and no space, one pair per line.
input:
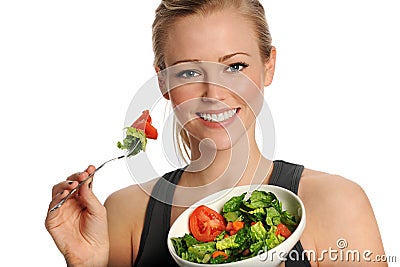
[236,67]
[188,74]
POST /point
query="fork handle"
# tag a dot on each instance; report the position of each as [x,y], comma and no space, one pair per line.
[62,201]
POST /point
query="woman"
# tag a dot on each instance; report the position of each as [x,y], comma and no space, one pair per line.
[231,35]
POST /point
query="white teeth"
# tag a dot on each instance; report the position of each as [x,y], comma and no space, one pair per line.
[218,117]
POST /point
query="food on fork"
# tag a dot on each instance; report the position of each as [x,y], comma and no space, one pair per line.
[137,134]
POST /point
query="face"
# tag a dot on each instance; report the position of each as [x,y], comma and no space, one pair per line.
[215,76]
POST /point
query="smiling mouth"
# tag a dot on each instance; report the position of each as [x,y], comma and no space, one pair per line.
[218,117]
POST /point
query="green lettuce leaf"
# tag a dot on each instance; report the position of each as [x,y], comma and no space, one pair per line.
[273,240]
[201,252]
[258,232]
[134,141]
[273,217]
[261,199]
[228,242]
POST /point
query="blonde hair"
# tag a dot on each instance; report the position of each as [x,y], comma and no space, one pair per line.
[170,10]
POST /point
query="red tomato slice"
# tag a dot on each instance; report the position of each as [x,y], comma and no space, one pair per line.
[150,131]
[229,226]
[206,224]
[149,119]
[144,123]
[282,230]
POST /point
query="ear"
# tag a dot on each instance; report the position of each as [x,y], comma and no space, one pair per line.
[162,82]
[269,67]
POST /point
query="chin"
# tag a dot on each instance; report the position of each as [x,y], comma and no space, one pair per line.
[223,142]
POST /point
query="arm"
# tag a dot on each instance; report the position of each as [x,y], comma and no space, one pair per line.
[340,210]
[126,210]
[120,234]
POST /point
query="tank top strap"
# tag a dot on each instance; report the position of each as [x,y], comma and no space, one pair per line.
[287,175]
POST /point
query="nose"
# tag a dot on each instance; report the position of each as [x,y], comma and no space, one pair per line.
[214,92]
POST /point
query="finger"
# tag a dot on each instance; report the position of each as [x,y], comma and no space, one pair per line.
[63,186]
[73,177]
[90,169]
[83,175]
[56,199]
[79,176]
[89,199]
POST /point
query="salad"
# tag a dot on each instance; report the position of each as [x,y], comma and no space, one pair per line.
[239,231]
[137,134]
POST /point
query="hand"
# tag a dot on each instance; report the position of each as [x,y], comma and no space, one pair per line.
[79,227]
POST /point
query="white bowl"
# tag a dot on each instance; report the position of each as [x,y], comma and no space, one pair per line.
[272,257]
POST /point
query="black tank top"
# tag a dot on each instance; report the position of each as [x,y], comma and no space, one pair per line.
[153,250]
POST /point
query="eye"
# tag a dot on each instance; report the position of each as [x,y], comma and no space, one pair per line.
[187,74]
[236,67]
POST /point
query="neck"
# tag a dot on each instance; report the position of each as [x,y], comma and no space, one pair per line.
[243,163]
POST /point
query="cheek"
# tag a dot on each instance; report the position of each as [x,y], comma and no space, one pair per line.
[250,91]
[185,101]
[182,94]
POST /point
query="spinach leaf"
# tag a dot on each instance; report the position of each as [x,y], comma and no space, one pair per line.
[179,246]
[190,240]
[233,204]
[289,220]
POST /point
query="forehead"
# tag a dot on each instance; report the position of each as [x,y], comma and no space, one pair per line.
[209,37]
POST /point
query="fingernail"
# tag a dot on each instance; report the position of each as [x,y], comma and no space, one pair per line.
[90,185]
[70,182]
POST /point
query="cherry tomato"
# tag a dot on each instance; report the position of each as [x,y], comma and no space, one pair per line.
[282,230]
[206,224]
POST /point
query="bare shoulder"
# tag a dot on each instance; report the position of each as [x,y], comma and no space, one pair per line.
[333,195]
[126,209]
[131,199]
[338,209]
[329,187]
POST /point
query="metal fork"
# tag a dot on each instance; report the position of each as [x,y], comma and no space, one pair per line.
[62,201]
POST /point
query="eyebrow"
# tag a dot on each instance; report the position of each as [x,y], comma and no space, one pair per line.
[226,57]
[221,59]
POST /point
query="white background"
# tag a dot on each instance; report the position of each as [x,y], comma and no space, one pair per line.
[69,69]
